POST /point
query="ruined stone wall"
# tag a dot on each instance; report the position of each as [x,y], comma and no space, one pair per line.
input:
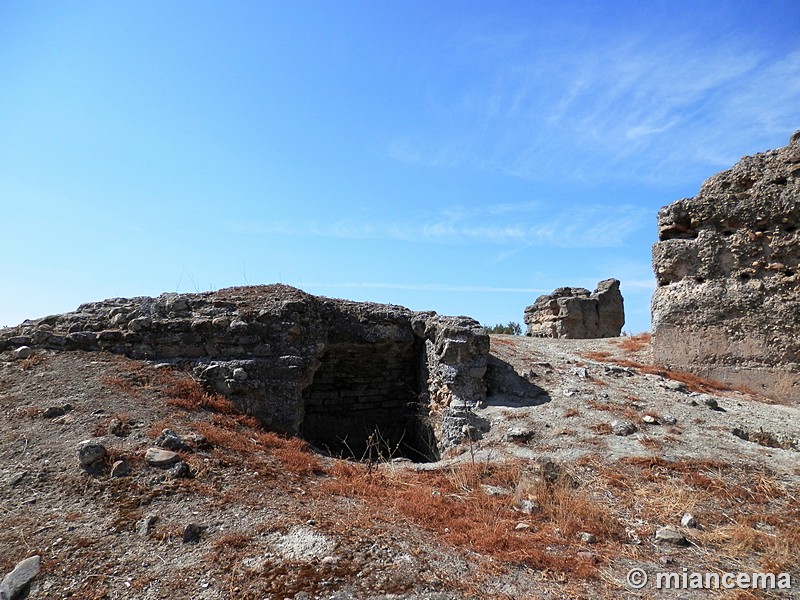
[574,313]
[281,354]
[728,298]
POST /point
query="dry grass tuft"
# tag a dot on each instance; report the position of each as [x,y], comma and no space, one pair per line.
[27,364]
[235,540]
[453,504]
[693,383]
[188,394]
[634,343]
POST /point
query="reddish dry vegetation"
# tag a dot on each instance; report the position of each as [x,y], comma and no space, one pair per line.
[693,383]
[449,503]
[226,428]
[453,504]
[634,343]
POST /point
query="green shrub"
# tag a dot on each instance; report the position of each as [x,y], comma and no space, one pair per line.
[511,329]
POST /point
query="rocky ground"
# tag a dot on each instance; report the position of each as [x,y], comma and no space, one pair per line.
[585,462]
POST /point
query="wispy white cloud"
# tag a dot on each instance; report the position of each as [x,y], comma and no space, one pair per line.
[520,224]
[427,287]
[628,107]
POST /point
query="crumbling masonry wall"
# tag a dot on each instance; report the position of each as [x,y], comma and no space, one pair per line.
[574,313]
[331,370]
[727,303]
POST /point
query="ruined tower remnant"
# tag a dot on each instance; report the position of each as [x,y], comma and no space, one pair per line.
[728,298]
[334,371]
[576,314]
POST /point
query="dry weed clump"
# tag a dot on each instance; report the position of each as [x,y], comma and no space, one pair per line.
[454,504]
[188,394]
[748,516]
[634,343]
[121,384]
[27,364]
[693,383]
[235,540]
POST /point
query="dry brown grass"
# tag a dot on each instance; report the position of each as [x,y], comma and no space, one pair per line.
[28,364]
[235,540]
[602,428]
[693,383]
[748,515]
[188,394]
[634,343]
[121,384]
[453,505]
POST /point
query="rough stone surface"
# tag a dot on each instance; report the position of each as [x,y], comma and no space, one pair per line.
[14,584]
[120,468]
[670,535]
[622,427]
[574,313]
[727,303]
[23,352]
[159,457]
[380,377]
[91,454]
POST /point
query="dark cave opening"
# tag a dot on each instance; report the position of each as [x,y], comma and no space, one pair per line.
[365,403]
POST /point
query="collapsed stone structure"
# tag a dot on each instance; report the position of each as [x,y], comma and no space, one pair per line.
[728,298]
[574,313]
[334,371]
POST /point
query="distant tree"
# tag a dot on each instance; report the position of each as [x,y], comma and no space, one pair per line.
[511,328]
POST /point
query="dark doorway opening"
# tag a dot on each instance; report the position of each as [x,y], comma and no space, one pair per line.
[364,403]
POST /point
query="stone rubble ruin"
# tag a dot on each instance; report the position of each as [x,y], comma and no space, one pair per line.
[727,305]
[350,377]
[574,313]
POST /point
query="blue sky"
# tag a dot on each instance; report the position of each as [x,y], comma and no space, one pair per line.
[462,157]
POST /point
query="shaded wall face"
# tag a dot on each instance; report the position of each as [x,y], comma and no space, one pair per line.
[364,402]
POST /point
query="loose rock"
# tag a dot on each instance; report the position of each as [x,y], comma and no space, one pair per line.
[14,584]
[622,428]
[23,352]
[670,535]
[143,526]
[170,440]
[689,520]
[54,411]
[192,533]
[16,478]
[158,457]
[180,471]
[529,507]
[518,434]
[120,468]
[91,455]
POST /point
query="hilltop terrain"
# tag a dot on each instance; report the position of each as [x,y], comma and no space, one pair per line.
[577,458]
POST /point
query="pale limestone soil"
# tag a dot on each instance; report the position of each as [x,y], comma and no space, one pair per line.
[85,527]
[568,412]
[564,420]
